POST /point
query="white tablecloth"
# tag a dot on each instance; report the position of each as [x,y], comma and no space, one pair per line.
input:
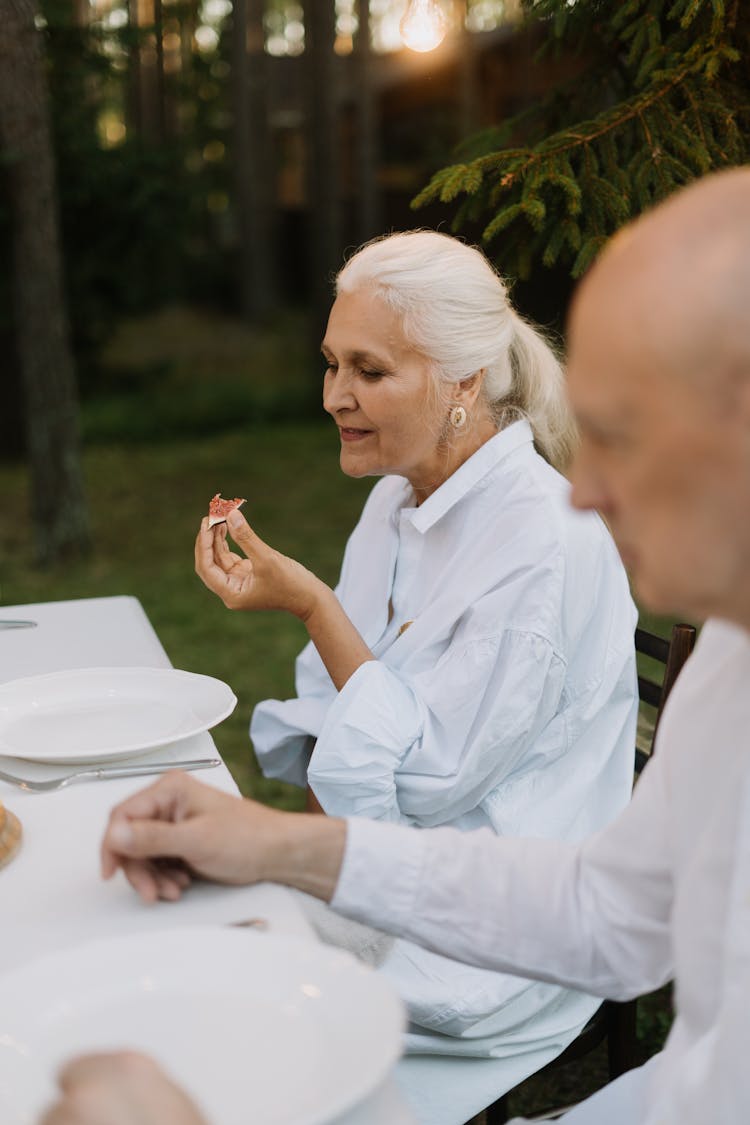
[51,894]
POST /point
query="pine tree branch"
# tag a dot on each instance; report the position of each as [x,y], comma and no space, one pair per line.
[558,198]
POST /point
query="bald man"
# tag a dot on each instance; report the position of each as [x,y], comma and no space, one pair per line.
[659,376]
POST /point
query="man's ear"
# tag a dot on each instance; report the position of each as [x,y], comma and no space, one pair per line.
[744,396]
[466,392]
[743,407]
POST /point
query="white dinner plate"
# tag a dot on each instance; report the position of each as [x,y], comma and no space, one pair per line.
[86,714]
[260,1030]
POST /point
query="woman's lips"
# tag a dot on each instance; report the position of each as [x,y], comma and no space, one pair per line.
[353,435]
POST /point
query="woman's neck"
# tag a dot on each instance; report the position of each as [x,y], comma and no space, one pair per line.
[450,455]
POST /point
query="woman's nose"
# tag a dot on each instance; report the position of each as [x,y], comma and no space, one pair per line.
[338,393]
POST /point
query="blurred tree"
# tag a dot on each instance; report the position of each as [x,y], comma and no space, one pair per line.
[661,95]
[253,162]
[322,157]
[135,227]
[147,104]
[369,221]
[45,360]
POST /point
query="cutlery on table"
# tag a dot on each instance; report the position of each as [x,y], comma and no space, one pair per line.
[9,624]
[104,772]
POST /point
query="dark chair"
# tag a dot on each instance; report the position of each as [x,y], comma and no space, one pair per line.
[613,1021]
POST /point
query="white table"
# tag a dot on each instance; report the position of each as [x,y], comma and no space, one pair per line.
[51,893]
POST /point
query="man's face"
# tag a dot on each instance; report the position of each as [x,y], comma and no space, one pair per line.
[664,455]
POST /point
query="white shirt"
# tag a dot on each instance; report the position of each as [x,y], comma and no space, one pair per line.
[662,892]
[509,701]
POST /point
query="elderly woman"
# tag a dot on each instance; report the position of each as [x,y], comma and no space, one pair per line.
[474,667]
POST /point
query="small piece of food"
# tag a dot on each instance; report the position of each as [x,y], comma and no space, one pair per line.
[219,509]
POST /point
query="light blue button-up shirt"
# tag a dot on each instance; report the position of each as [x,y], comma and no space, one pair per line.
[508,702]
[510,698]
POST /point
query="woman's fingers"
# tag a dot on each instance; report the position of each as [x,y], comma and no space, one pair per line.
[205,561]
[259,578]
[225,558]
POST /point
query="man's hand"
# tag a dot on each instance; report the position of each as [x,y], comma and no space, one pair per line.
[179,828]
[119,1089]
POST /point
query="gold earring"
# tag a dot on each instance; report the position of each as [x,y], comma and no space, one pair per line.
[457,417]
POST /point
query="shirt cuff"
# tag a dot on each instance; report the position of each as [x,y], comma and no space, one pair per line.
[370,726]
[380,874]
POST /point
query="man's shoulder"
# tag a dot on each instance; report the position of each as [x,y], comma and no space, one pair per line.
[709,707]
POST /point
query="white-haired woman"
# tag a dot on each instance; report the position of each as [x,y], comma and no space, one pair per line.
[474,667]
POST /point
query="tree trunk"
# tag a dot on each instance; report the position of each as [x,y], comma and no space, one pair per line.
[369,221]
[59,511]
[322,158]
[253,161]
[146,110]
[468,79]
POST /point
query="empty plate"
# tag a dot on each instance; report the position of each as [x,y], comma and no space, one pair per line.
[86,714]
[256,1028]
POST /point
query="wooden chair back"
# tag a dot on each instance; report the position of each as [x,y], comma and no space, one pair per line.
[672,654]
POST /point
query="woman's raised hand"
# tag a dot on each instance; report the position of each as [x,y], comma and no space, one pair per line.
[259,578]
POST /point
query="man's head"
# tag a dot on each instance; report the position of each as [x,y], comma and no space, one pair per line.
[659,377]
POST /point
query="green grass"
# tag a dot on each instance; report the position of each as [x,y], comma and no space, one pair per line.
[146,503]
[183,372]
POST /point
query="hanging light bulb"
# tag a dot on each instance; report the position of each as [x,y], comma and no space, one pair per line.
[423,25]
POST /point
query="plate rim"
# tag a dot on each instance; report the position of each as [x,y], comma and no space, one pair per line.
[129,749]
[14,979]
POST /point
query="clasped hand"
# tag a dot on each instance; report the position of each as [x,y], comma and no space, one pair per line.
[260,578]
[176,829]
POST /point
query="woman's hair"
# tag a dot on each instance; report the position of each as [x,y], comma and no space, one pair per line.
[455,310]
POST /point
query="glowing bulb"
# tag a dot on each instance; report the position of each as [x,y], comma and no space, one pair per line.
[423,25]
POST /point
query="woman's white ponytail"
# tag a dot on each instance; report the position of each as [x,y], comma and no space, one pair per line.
[539,391]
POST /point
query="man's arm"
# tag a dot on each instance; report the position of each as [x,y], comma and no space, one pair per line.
[593,917]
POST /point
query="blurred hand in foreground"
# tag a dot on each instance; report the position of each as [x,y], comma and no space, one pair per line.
[179,828]
[119,1089]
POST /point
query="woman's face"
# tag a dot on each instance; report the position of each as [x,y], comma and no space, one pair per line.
[381,395]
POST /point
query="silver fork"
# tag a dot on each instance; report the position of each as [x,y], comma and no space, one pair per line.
[33,786]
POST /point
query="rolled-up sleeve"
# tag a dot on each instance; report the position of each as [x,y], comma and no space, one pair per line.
[283,732]
[428,747]
[371,724]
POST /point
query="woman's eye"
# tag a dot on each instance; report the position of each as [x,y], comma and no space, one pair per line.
[331,369]
[369,374]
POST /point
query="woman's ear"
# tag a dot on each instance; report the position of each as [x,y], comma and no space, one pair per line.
[466,392]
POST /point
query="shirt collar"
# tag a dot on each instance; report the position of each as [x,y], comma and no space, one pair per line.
[468,475]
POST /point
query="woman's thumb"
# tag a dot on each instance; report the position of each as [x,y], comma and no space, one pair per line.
[241,531]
